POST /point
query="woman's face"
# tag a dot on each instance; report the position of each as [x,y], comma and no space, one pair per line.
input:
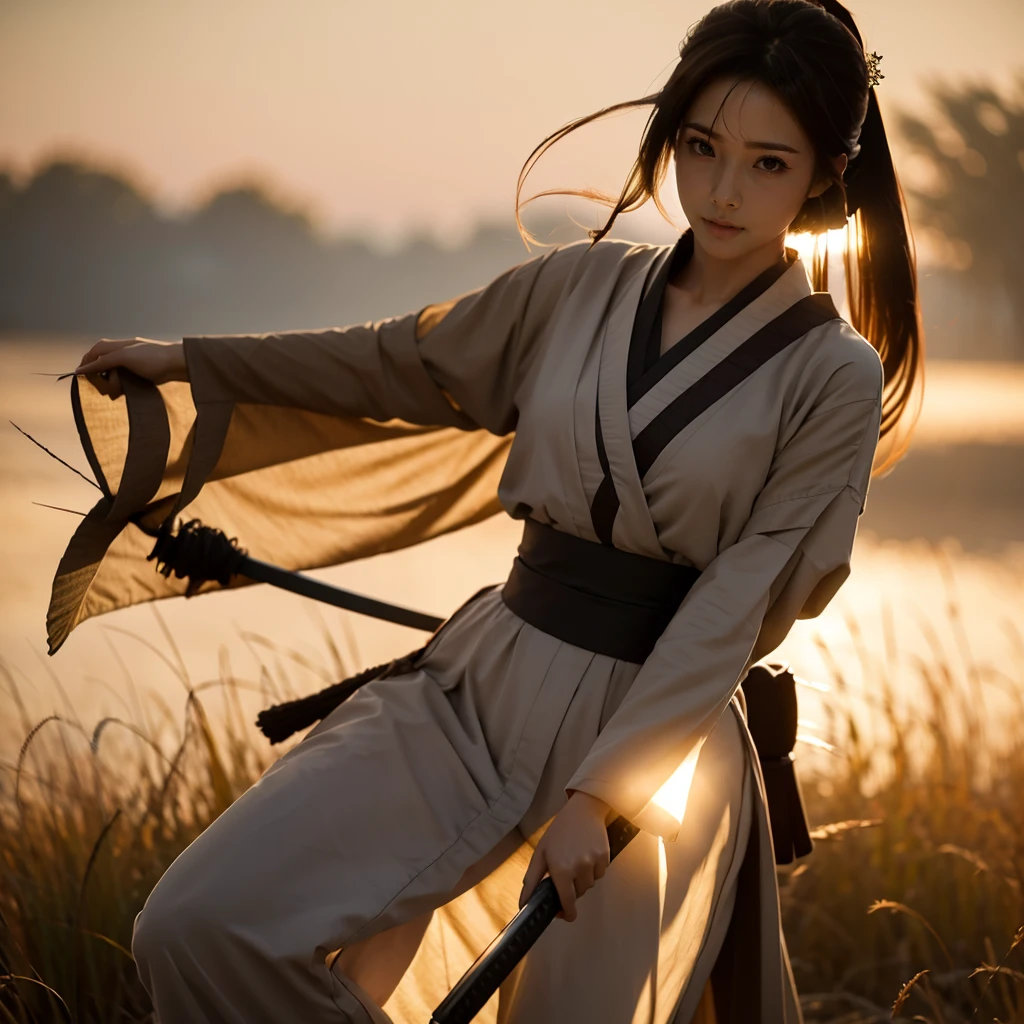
[742,184]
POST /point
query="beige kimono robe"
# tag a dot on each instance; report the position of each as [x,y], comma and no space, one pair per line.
[324,446]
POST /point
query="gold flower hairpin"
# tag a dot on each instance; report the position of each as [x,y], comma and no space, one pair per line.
[874,74]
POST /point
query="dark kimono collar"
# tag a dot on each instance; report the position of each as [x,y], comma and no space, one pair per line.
[645,366]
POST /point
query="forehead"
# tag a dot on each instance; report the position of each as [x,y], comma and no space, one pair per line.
[745,110]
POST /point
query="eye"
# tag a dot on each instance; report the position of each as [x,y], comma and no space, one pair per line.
[700,146]
[772,164]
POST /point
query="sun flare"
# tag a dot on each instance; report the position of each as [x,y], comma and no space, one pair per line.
[838,240]
[675,792]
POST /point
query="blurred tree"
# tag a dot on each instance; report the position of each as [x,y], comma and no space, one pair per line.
[7,191]
[972,192]
[85,249]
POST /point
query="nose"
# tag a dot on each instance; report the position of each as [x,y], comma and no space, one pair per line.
[725,189]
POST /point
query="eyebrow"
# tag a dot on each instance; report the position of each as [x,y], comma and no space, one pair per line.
[704,130]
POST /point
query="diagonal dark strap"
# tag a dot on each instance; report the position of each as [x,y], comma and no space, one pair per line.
[647,309]
[604,509]
[606,501]
[794,323]
[659,366]
[769,341]
[646,325]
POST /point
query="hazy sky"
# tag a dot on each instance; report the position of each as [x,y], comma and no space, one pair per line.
[388,117]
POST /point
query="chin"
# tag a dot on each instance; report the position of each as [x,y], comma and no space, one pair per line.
[725,247]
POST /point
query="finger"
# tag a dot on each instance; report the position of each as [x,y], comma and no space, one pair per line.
[584,879]
[102,362]
[538,866]
[566,893]
[97,350]
[104,346]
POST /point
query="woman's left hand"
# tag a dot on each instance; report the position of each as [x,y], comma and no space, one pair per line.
[573,851]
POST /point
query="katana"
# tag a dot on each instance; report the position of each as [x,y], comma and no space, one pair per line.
[512,943]
[201,553]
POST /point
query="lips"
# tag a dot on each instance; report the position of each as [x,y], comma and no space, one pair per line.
[721,228]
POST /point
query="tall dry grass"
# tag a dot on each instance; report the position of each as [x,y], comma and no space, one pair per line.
[910,908]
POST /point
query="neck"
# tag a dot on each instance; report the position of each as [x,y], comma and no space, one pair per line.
[710,280]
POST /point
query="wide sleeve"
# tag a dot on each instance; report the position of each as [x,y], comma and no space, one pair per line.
[456,363]
[313,448]
[790,559]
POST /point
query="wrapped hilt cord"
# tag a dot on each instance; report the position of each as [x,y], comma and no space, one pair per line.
[202,553]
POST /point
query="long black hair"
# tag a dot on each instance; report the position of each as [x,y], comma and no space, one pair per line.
[810,53]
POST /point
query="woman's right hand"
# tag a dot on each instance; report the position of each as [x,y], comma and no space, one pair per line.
[157,361]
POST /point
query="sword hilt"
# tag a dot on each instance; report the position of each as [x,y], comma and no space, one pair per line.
[513,942]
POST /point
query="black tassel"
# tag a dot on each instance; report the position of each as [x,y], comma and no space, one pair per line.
[280,721]
[790,834]
[770,694]
[198,552]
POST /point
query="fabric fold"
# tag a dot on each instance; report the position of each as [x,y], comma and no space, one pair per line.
[731,617]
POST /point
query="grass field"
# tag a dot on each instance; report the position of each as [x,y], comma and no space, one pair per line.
[910,907]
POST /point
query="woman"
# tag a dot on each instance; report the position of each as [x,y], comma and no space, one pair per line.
[693,410]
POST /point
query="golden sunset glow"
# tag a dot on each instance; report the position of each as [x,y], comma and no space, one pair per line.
[673,795]
[837,241]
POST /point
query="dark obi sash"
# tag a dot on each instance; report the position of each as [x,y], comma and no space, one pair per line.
[618,603]
[594,596]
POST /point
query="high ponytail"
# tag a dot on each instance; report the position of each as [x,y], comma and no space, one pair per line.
[810,53]
[881,268]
